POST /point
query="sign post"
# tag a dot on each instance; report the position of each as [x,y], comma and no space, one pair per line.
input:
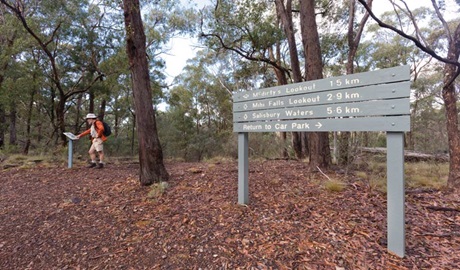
[370,101]
[72,138]
[243,168]
[395,193]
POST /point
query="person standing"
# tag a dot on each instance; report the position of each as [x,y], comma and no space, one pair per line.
[96,131]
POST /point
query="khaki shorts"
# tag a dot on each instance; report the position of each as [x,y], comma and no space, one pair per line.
[97,145]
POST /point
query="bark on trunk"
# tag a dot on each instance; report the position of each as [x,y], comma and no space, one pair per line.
[29,120]
[285,14]
[152,169]
[318,142]
[2,127]
[282,80]
[13,118]
[102,109]
[353,37]
[450,101]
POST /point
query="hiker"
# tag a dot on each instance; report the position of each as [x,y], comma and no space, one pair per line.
[96,131]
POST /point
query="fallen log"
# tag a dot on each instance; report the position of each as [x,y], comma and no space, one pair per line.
[409,155]
[440,208]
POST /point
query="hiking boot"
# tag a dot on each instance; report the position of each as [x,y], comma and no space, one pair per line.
[100,165]
[92,165]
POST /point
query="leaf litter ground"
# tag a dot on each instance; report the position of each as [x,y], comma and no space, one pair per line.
[59,218]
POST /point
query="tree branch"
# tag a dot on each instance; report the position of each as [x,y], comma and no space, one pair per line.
[247,56]
[413,39]
[18,11]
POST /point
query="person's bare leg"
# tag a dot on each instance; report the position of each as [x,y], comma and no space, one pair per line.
[101,159]
[92,155]
[101,156]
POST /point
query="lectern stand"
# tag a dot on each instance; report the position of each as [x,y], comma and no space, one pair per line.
[72,138]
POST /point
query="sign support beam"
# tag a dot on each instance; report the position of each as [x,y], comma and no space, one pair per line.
[70,157]
[395,193]
[243,168]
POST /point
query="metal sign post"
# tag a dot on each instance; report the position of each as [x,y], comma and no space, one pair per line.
[395,193]
[370,101]
[72,138]
[243,168]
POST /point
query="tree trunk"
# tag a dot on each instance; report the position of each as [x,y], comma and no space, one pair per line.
[318,142]
[450,101]
[29,119]
[282,80]
[152,169]
[13,131]
[60,118]
[2,127]
[2,119]
[91,108]
[285,14]
[102,109]
[78,121]
[353,37]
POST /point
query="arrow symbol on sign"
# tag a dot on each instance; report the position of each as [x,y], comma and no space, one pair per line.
[245,116]
[318,125]
[246,96]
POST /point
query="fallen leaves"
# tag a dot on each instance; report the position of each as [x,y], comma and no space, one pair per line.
[55,218]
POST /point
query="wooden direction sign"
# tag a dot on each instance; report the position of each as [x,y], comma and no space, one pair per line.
[373,92]
[384,76]
[365,97]
[391,123]
[370,101]
[365,108]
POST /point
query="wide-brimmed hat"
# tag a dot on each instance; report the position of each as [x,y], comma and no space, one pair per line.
[91,116]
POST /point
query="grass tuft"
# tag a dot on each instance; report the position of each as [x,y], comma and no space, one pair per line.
[156,190]
[333,185]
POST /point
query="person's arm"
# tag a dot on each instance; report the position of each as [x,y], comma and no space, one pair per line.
[84,133]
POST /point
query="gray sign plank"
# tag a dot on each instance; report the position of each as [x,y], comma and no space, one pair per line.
[387,123]
[384,76]
[365,108]
[384,91]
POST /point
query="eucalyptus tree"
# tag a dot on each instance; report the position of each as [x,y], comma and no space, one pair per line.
[256,32]
[8,34]
[390,49]
[200,107]
[54,26]
[152,168]
[449,55]
[317,142]
[285,14]
[19,66]
[342,29]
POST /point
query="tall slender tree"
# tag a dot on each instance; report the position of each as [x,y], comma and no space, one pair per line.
[284,11]
[318,142]
[152,168]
